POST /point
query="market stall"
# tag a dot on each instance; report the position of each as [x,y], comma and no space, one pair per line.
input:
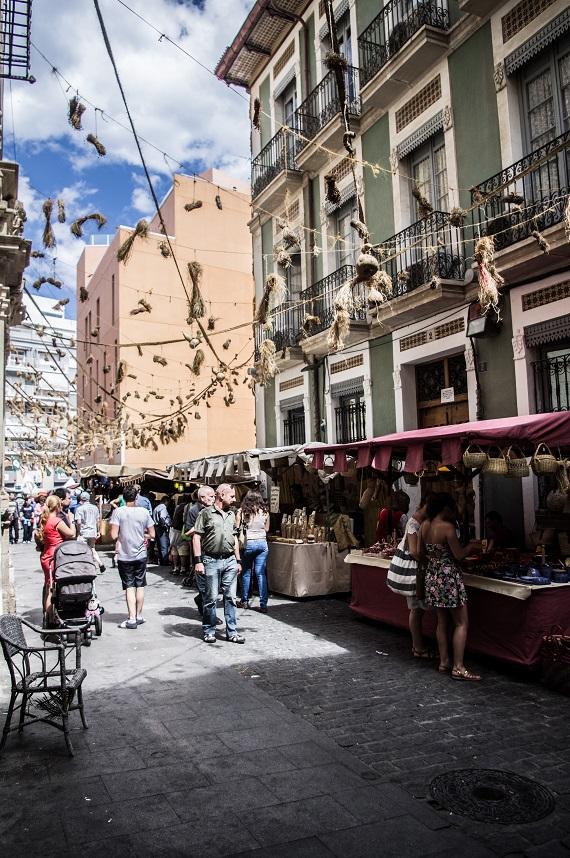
[514,597]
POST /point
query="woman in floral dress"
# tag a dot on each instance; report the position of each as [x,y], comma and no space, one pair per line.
[444,587]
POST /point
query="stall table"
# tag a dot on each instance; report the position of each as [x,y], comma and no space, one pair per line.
[506,620]
[307,569]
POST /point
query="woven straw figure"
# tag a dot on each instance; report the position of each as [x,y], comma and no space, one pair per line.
[490,280]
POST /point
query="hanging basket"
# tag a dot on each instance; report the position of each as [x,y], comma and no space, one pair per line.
[517,465]
[562,476]
[474,457]
[496,464]
[544,461]
[556,500]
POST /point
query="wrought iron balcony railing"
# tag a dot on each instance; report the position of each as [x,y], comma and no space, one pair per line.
[319,300]
[552,384]
[429,248]
[529,195]
[350,420]
[294,429]
[285,328]
[278,155]
[15,30]
[398,21]
[324,103]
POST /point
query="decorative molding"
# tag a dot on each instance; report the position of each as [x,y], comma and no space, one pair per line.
[284,82]
[529,49]
[291,402]
[546,295]
[394,161]
[500,76]
[447,117]
[519,350]
[551,331]
[418,138]
[338,12]
[350,387]
[397,376]
[469,359]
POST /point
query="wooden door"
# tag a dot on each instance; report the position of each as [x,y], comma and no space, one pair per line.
[431,379]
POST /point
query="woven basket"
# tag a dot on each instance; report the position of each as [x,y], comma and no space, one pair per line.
[562,477]
[555,662]
[474,457]
[517,465]
[544,462]
[496,464]
[556,500]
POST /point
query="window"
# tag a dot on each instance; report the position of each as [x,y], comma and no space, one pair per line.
[346,235]
[343,32]
[552,378]
[293,278]
[546,111]
[429,170]
[286,106]
[86,338]
[294,427]
[350,418]
[112,299]
[98,316]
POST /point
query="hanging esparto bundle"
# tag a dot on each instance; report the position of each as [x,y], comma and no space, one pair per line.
[83,294]
[281,256]
[274,294]
[340,327]
[48,237]
[76,227]
[196,306]
[425,208]
[197,204]
[256,112]
[332,192]
[75,111]
[101,151]
[490,280]
[266,367]
[140,231]
[61,211]
[198,361]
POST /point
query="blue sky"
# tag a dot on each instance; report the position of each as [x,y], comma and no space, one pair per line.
[176,105]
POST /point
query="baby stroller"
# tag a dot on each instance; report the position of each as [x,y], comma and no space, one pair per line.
[74,600]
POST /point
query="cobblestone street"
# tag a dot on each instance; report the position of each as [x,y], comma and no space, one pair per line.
[319,737]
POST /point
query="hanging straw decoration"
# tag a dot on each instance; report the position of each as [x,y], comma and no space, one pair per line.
[256,113]
[140,231]
[457,216]
[101,151]
[198,361]
[196,307]
[60,304]
[266,367]
[218,201]
[164,248]
[159,359]
[332,193]
[53,281]
[380,289]
[61,211]
[76,227]
[139,350]
[541,241]
[197,204]
[340,327]
[37,284]
[479,198]
[120,372]
[425,208]
[37,254]
[281,256]
[226,344]
[83,294]
[289,237]
[48,237]
[75,112]
[490,280]
[193,340]
[335,61]
[361,229]
[366,265]
[145,305]
[309,324]
[566,220]
[274,294]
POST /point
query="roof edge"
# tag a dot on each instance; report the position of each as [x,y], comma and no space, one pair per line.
[224,65]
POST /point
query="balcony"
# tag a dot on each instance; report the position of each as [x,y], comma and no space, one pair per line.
[314,118]
[528,196]
[350,422]
[398,46]
[552,384]
[477,7]
[426,262]
[294,428]
[285,332]
[319,302]
[273,168]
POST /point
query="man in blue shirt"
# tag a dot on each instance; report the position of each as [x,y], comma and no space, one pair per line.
[142,500]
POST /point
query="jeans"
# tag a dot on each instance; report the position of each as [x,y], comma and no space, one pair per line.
[255,557]
[162,545]
[218,571]
[28,528]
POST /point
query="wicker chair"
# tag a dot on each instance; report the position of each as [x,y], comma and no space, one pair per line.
[41,672]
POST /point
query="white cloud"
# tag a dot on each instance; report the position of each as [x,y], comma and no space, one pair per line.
[175,104]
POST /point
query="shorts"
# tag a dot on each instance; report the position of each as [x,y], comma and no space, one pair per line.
[132,572]
[414,603]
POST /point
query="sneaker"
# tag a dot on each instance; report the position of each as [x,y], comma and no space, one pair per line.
[140,621]
[209,638]
[262,609]
[128,624]
[235,638]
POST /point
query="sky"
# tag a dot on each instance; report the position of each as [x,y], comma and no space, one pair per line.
[176,105]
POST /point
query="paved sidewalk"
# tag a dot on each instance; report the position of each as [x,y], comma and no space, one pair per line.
[223,750]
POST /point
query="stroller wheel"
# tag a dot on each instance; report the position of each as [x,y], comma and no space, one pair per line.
[98,625]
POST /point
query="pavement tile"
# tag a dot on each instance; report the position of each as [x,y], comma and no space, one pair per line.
[117,819]
[250,764]
[209,835]
[265,737]
[296,820]
[191,749]
[86,765]
[154,781]
[223,721]
[238,795]
[315,780]
[310,847]
[25,831]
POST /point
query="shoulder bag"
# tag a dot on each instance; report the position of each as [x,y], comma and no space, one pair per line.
[401,578]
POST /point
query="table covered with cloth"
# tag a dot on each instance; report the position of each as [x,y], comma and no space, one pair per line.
[307,569]
[506,620]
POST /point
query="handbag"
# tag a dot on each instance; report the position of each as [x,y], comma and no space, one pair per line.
[401,578]
[242,536]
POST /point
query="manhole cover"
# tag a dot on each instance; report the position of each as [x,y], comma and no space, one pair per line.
[490,795]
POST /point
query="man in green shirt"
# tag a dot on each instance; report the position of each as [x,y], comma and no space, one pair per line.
[216,560]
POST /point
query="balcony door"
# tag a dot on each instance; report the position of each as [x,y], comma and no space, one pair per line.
[431,379]
[345,234]
[287,105]
[429,171]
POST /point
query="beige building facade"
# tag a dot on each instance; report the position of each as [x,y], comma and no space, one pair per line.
[158,381]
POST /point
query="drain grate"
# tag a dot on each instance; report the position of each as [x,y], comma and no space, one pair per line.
[490,795]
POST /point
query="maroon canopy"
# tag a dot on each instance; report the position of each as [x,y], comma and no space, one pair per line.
[446,443]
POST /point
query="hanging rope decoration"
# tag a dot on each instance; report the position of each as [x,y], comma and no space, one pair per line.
[361,229]
[61,211]
[457,217]
[194,340]
[218,201]
[63,302]
[196,307]
[48,237]
[256,114]
[140,231]
[281,256]
[274,293]
[142,307]
[198,361]
[335,61]
[37,254]
[75,112]
[343,306]
[425,208]
[100,149]
[37,284]
[541,241]
[310,323]
[197,204]
[266,367]
[159,359]
[76,227]
[289,237]
[490,280]
[332,193]
[164,249]
[226,344]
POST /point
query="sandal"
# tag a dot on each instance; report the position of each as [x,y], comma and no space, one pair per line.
[465,675]
[421,653]
[444,668]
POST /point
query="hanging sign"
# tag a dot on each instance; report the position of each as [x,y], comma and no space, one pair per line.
[448,394]
[274,499]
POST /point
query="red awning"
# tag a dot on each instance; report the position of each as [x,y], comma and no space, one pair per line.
[446,443]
